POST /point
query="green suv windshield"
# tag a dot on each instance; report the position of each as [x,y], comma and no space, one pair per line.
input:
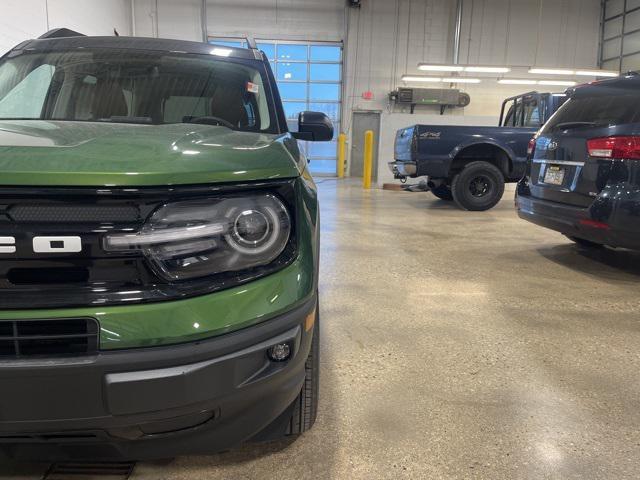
[129,86]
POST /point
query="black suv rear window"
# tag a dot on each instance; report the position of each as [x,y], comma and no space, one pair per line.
[613,107]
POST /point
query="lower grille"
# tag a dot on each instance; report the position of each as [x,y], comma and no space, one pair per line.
[38,338]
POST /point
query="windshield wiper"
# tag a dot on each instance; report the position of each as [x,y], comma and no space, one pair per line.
[569,125]
[124,119]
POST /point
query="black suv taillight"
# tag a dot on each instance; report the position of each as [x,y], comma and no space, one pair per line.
[620,147]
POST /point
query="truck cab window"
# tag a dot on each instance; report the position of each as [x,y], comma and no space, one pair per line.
[531,114]
[508,118]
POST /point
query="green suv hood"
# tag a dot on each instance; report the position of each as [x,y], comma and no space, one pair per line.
[50,153]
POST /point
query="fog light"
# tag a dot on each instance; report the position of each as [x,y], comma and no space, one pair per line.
[280,352]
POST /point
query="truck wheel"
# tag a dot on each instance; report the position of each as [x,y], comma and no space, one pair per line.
[478,187]
[305,410]
[443,192]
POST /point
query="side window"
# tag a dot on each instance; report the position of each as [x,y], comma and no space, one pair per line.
[531,114]
[508,118]
[26,99]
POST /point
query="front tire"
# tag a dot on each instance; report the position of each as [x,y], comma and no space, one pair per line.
[305,408]
[478,187]
[443,192]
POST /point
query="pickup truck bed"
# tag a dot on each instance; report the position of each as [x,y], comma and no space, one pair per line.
[471,164]
[431,150]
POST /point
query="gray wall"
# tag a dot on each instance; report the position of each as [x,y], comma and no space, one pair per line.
[24,19]
[387,38]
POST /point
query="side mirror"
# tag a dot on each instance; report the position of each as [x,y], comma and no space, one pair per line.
[314,127]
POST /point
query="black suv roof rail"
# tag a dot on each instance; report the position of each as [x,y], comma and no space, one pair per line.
[61,33]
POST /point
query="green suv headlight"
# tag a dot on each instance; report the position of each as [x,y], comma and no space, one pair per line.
[198,238]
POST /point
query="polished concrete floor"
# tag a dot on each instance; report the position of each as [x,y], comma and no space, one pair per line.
[457,345]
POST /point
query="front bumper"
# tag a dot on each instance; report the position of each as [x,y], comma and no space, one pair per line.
[567,220]
[193,398]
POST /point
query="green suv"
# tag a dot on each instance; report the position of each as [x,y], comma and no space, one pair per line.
[158,250]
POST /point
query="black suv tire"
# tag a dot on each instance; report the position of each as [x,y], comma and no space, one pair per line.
[305,408]
[478,187]
[443,192]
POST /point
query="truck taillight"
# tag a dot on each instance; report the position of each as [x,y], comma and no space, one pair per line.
[531,148]
[621,147]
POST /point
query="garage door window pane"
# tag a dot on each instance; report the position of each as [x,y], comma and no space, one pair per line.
[632,62]
[292,109]
[321,53]
[292,71]
[632,22]
[324,91]
[323,149]
[613,28]
[323,167]
[613,7]
[631,43]
[293,91]
[269,49]
[611,48]
[325,72]
[292,52]
[631,4]
[331,109]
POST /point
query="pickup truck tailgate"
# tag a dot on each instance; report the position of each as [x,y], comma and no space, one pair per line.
[406,145]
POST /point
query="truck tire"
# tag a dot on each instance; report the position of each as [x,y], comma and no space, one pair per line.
[478,187]
[443,192]
[305,408]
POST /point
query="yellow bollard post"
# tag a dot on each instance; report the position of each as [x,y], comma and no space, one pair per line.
[368,159]
[342,143]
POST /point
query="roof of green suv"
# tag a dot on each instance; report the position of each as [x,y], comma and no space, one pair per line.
[135,43]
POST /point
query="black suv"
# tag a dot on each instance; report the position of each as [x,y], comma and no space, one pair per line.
[583,175]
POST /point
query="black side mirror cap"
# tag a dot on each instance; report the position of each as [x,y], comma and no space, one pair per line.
[314,127]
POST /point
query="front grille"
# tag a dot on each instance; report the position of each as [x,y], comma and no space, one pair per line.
[37,338]
[73,213]
[93,276]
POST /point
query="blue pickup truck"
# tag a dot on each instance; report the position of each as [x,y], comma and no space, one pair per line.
[470,165]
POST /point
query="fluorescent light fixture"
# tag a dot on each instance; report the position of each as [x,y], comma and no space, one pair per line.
[517,81]
[487,69]
[560,83]
[440,68]
[417,78]
[221,52]
[597,73]
[461,80]
[551,71]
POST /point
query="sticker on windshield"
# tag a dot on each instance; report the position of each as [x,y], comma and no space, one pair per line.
[253,88]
